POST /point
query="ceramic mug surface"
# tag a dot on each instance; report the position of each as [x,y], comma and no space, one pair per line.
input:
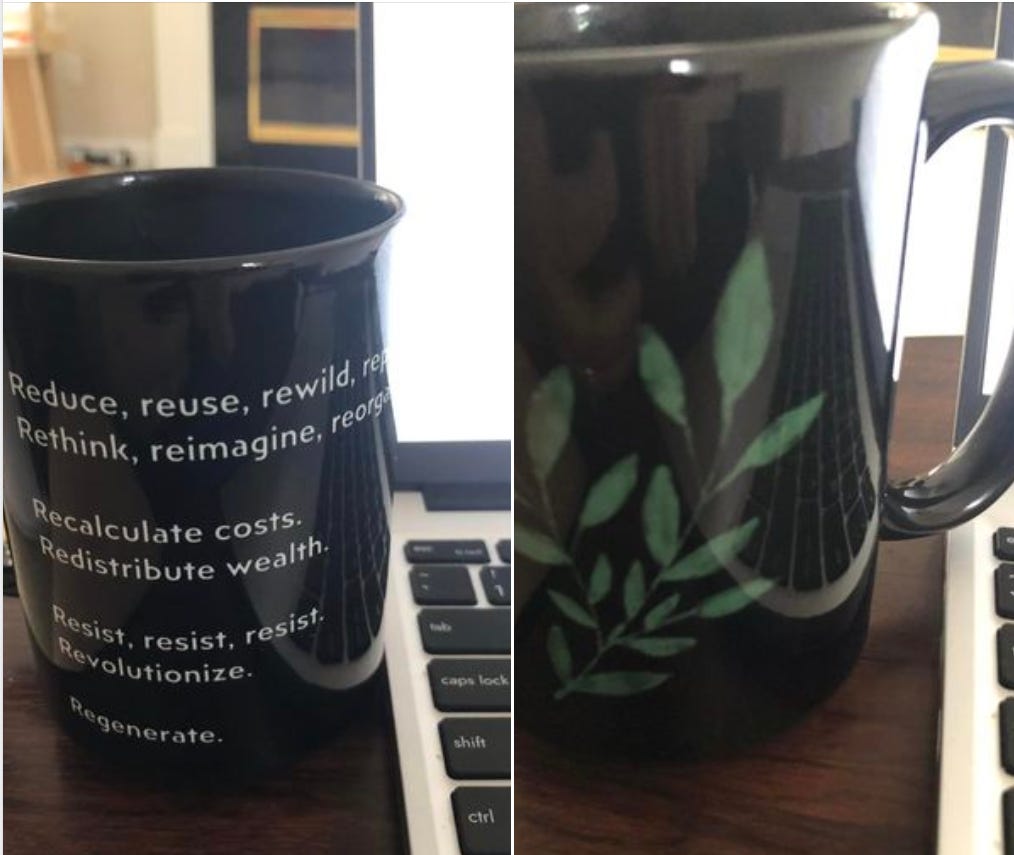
[711,210]
[196,430]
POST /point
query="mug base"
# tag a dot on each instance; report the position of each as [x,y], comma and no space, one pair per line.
[262,741]
[736,691]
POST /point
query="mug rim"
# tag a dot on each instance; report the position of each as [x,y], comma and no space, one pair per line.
[353,188]
[688,58]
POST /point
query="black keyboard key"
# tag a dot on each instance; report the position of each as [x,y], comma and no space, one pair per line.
[1008,822]
[471,685]
[496,582]
[10,583]
[1004,578]
[446,552]
[480,631]
[503,549]
[1005,655]
[476,747]
[1003,544]
[483,818]
[1007,734]
[442,585]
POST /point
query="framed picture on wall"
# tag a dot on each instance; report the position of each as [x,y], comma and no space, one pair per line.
[293,85]
[968,31]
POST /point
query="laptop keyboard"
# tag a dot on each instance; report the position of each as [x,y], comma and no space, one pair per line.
[464,625]
[1003,549]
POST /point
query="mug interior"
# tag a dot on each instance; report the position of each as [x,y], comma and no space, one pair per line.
[539,26]
[190,214]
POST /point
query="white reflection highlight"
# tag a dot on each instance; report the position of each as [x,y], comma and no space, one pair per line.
[885,155]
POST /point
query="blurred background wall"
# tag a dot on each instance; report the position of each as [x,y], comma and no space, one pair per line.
[140,78]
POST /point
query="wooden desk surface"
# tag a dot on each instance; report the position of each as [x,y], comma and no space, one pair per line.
[857,776]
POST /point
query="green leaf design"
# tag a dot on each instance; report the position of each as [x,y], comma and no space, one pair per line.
[661,516]
[538,546]
[660,646]
[601,580]
[633,590]
[657,614]
[548,424]
[572,610]
[778,437]
[559,653]
[743,323]
[711,556]
[661,376]
[608,494]
[734,599]
[618,683]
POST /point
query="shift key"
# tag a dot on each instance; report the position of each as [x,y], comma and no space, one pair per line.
[465,630]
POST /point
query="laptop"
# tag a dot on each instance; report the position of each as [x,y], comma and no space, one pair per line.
[441,139]
[976,745]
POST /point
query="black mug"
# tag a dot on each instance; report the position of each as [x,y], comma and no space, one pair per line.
[197,423]
[711,206]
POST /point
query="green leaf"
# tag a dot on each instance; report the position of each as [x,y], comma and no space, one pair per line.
[548,424]
[572,610]
[661,516]
[778,437]
[559,653]
[608,494]
[633,590]
[734,599]
[659,613]
[618,683]
[661,376]
[660,646]
[538,546]
[601,580]
[743,323]
[711,556]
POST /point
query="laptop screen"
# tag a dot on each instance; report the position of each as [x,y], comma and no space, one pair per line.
[441,75]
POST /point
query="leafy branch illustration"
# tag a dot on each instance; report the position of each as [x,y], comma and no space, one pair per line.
[741,337]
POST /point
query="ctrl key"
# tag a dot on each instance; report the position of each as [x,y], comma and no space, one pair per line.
[483,818]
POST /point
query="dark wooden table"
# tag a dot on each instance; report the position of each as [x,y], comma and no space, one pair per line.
[857,776]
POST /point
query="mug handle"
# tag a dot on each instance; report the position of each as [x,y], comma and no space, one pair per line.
[981,469]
